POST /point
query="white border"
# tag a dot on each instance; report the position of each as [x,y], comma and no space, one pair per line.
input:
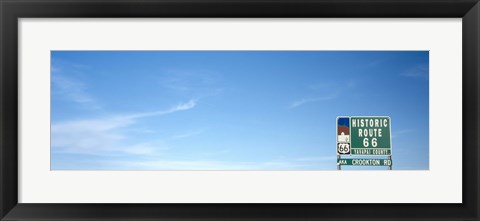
[440,184]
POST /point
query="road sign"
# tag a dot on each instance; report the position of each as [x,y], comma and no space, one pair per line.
[365,162]
[343,135]
[370,136]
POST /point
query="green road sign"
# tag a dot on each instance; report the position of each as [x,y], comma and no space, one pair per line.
[370,136]
[364,162]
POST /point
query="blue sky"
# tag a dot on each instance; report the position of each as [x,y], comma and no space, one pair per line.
[230,110]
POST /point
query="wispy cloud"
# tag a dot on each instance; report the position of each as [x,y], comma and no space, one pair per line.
[144,156]
[69,88]
[419,71]
[304,101]
[105,135]
[204,165]
[179,107]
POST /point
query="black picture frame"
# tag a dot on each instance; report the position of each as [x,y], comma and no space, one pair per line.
[12,10]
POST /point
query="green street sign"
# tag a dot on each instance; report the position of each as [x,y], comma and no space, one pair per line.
[364,162]
[364,135]
[370,136]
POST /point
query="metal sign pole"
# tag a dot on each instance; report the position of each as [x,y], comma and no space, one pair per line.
[339,167]
[390,166]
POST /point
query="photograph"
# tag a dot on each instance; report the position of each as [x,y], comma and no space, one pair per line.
[239,110]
